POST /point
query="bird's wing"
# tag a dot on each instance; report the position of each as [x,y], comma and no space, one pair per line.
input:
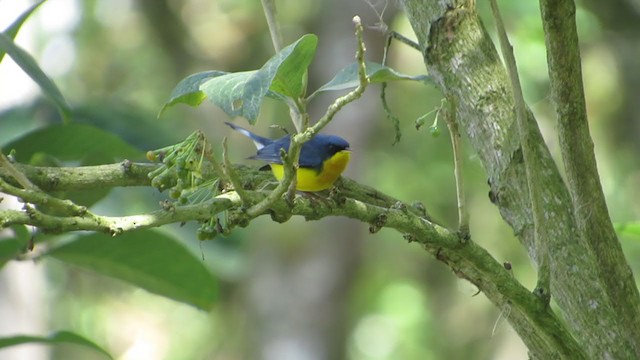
[271,152]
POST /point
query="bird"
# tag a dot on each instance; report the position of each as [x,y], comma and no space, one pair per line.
[322,159]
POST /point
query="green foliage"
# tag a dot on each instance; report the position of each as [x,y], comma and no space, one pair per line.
[188,89]
[148,259]
[347,78]
[13,29]
[73,142]
[59,337]
[241,94]
[29,65]
[12,247]
[283,77]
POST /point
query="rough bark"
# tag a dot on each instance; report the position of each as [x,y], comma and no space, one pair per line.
[589,206]
[462,60]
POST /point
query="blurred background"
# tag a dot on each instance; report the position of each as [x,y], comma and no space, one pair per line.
[300,290]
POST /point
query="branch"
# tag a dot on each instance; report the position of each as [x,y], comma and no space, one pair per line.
[542,235]
[19,177]
[342,101]
[467,260]
[51,179]
[462,60]
[589,205]
[113,225]
[452,124]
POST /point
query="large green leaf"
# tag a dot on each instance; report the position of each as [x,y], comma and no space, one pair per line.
[82,144]
[148,259]
[290,79]
[72,142]
[188,90]
[11,247]
[231,93]
[241,94]
[29,65]
[348,77]
[59,337]
[13,29]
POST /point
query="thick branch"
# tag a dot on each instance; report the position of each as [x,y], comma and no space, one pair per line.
[592,216]
[542,234]
[350,199]
[85,177]
[463,61]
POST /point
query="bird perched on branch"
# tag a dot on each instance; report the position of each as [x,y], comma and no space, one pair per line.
[322,159]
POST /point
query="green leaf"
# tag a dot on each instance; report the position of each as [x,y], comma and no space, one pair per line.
[59,337]
[29,65]
[231,93]
[188,90]
[290,77]
[631,228]
[82,144]
[12,247]
[13,29]
[241,94]
[72,142]
[148,259]
[348,77]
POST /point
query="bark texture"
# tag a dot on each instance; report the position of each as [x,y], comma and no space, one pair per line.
[462,60]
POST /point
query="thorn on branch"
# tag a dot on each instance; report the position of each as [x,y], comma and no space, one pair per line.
[493,197]
[543,294]
[115,231]
[399,205]
[409,237]
[463,234]
[280,217]
[167,205]
[126,165]
[378,223]
[420,207]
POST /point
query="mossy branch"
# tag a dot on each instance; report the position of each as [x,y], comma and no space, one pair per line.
[350,199]
[594,225]
[542,234]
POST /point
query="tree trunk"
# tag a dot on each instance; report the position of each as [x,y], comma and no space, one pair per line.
[462,60]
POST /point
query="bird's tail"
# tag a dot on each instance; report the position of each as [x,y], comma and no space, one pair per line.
[258,140]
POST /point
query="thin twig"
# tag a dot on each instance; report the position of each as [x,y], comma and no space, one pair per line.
[15,173]
[41,198]
[452,124]
[340,102]
[405,40]
[231,176]
[535,191]
[383,94]
[269,8]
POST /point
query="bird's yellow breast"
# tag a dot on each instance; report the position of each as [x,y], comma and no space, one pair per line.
[312,180]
